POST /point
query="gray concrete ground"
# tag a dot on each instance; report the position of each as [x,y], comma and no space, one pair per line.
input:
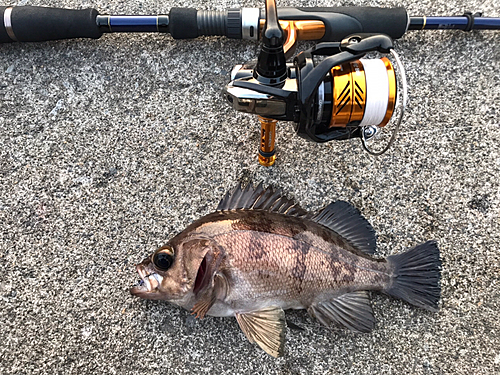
[111,146]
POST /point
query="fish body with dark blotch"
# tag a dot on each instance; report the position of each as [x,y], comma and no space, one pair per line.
[260,254]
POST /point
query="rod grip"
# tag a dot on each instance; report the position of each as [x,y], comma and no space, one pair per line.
[343,21]
[183,23]
[187,23]
[37,24]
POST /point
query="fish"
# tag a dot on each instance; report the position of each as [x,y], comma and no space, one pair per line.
[260,254]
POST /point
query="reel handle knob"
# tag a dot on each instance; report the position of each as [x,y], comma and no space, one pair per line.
[271,65]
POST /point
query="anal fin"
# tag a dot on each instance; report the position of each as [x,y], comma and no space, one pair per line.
[265,327]
[350,310]
[292,325]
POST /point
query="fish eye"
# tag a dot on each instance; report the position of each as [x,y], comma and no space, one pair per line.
[163,258]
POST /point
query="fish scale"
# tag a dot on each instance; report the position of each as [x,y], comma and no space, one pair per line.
[260,254]
[298,270]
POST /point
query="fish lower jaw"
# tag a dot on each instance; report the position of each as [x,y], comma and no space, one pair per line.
[145,289]
[149,281]
[143,286]
[138,289]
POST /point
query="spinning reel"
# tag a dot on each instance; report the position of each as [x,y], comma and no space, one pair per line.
[341,97]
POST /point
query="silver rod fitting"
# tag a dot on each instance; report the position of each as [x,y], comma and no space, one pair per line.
[7,22]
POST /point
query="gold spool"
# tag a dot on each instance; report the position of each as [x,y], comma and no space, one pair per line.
[349,93]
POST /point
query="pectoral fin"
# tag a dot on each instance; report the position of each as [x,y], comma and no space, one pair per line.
[351,310]
[265,327]
[210,296]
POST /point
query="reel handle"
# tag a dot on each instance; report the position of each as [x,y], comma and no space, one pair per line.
[271,70]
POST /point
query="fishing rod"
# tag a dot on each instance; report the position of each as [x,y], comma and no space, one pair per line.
[330,91]
[324,24]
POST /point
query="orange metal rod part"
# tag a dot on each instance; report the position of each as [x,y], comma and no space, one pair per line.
[299,30]
[267,155]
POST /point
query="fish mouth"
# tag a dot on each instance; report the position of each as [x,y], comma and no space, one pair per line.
[205,274]
[201,277]
[149,282]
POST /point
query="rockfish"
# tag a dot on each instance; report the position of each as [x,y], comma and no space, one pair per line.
[259,254]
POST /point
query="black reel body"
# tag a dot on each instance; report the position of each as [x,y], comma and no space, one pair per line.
[345,93]
[342,96]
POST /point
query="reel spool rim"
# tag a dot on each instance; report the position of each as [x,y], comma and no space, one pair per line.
[400,118]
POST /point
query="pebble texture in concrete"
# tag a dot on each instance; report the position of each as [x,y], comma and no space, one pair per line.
[111,146]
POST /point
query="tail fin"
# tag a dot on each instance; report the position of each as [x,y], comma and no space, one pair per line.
[416,276]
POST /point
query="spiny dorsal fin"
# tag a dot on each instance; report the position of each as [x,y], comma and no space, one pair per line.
[347,221]
[265,327]
[351,310]
[258,198]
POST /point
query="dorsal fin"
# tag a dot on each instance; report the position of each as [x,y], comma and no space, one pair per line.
[258,198]
[347,221]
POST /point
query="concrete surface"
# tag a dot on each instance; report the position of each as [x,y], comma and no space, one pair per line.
[111,146]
